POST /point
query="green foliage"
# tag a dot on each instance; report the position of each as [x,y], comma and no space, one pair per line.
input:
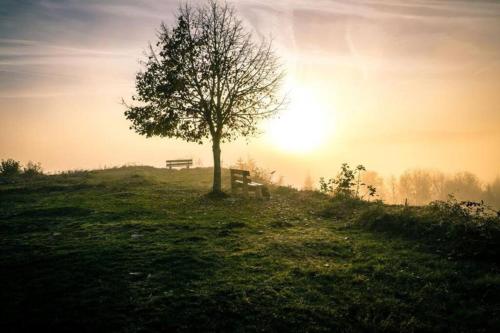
[10,167]
[326,186]
[142,249]
[206,78]
[467,210]
[33,169]
[372,191]
[347,183]
[459,229]
[342,207]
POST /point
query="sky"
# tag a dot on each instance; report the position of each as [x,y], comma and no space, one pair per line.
[392,85]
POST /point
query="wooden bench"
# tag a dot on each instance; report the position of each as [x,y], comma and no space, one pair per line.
[240,179]
[179,163]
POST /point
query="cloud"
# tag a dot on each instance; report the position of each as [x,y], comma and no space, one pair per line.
[426,37]
[427,9]
[15,52]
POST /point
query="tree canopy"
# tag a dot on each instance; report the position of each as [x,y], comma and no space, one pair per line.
[206,78]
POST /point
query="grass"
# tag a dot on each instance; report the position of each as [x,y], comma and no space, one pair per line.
[446,226]
[140,249]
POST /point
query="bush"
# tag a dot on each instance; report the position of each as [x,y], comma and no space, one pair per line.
[459,229]
[257,173]
[463,209]
[33,169]
[347,183]
[10,167]
[343,206]
[401,221]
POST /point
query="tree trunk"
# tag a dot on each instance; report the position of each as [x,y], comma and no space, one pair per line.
[217,186]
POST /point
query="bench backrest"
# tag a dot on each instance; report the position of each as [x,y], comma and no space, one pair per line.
[180,161]
[171,163]
[242,175]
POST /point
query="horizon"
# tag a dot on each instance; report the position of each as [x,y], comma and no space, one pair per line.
[389,85]
[369,201]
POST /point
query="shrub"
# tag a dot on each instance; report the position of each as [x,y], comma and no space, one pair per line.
[342,206]
[401,221]
[33,169]
[347,183]
[463,209]
[10,167]
[257,173]
[459,229]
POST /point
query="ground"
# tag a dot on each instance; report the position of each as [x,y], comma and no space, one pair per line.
[142,249]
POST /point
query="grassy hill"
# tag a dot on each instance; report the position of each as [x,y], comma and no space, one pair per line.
[141,249]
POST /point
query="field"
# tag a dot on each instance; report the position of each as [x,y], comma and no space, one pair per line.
[142,249]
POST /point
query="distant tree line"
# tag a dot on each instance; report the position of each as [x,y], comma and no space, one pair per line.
[12,168]
[421,186]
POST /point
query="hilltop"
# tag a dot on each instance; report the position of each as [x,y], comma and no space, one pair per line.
[142,249]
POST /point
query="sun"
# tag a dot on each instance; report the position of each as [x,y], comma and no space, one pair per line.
[302,127]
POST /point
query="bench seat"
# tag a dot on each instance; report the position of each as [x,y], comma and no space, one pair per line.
[253,184]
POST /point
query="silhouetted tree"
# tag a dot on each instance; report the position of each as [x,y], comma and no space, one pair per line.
[464,186]
[438,186]
[348,183]
[415,185]
[421,186]
[10,167]
[492,193]
[393,188]
[206,79]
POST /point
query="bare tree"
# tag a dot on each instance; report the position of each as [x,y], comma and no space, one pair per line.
[393,185]
[464,186]
[206,79]
[416,186]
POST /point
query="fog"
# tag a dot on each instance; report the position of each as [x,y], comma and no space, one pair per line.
[404,89]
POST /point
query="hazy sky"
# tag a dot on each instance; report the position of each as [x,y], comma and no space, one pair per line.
[390,84]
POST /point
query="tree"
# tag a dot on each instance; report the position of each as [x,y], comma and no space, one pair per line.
[492,193]
[206,79]
[416,186]
[393,183]
[10,167]
[33,169]
[347,184]
[359,168]
[464,186]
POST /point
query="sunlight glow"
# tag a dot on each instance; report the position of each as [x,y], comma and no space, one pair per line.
[303,126]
